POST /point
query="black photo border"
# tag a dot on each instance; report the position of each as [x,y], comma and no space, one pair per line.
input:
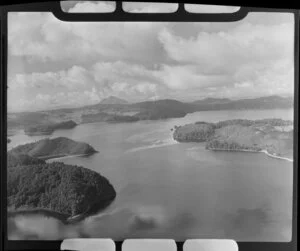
[119,16]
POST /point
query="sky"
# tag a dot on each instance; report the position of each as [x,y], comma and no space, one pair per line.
[54,64]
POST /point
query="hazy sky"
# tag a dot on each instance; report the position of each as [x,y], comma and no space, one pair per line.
[63,64]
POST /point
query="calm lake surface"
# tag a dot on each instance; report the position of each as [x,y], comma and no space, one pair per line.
[176,190]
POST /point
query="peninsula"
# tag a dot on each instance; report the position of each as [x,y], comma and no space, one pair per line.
[271,136]
[53,148]
[47,129]
[66,192]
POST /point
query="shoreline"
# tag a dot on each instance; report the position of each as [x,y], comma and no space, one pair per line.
[58,157]
[64,218]
[253,151]
[275,156]
[63,156]
[39,211]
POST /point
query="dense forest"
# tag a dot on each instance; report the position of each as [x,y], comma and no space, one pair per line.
[68,190]
[198,132]
[273,135]
[156,114]
[14,159]
[46,129]
[246,122]
[229,145]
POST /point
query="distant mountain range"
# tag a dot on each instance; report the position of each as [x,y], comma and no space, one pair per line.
[113,109]
[269,102]
[212,101]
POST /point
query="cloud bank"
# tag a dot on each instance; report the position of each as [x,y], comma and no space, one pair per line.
[62,64]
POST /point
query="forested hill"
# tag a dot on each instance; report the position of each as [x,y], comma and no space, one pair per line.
[162,109]
[59,189]
[15,159]
[51,148]
[270,102]
[272,135]
[48,128]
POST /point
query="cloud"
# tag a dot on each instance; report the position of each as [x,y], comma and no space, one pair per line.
[150,7]
[61,99]
[243,45]
[187,77]
[46,38]
[73,78]
[203,8]
[90,7]
[142,60]
[79,86]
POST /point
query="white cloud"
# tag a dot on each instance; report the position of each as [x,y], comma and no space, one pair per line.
[90,7]
[143,60]
[243,45]
[45,38]
[188,77]
[144,7]
[204,8]
[58,100]
[72,78]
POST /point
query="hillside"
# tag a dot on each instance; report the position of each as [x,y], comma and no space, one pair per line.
[19,120]
[275,136]
[47,129]
[105,117]
[162,109]
[113,100]
[198,132]
[51,148]
[270,102]
[14,159]
[212,101]
[59,190]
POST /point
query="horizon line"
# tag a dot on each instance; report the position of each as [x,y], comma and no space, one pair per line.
[128,103]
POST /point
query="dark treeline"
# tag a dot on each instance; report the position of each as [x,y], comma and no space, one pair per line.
[66,189]
[229,145]
[199,132]
[49,128]
[246,122]
[21,159]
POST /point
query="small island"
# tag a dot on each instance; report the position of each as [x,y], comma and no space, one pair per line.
[53,148]
[66,192]
[271,136]
[47,129]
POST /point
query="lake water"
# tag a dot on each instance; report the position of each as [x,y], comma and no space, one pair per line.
[175,190]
